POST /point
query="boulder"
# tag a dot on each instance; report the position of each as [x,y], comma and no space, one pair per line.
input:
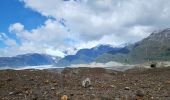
[86,83]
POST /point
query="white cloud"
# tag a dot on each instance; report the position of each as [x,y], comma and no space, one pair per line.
[50,38]
[8,41]
[55,52]
[17,27]
[91,22]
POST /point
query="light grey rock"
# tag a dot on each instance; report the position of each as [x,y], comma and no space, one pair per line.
[86,83]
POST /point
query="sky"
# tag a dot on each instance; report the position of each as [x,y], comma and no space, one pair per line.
[61,27]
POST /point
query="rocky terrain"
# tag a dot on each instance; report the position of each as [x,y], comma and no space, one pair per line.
[85,84]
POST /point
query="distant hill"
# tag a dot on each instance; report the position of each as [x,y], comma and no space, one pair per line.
[84,56]
[119,56]
[31,59]
[155,47]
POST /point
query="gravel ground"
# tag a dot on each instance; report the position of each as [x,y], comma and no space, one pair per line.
[133,84]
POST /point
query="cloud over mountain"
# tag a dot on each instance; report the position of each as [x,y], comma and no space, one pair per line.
[85,23]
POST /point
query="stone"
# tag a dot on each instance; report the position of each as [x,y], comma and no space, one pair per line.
[127,88]
[86,83]
[46,81]
[8,79]
[153,65]
[168,82]
[106,97]
[34,97]
[15,92]
[64,97]
[113,86]
[52,88]
[139,95]
[71,94]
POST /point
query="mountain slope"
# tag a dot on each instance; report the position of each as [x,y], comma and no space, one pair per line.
[32,59]
[155,47]
[85,56]
[119,56]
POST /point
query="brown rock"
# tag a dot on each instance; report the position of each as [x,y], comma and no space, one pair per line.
[46,81]
[139,95]
[64,97]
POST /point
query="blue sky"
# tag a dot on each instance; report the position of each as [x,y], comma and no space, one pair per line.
[58,26]
[13,11]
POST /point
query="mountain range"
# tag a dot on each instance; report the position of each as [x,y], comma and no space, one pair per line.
[155,47]
[85,56]
[30,59]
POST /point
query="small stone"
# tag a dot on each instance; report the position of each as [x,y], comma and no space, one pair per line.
[9,79]
[52,88]
[55,84]
[45,93]
[139,95]
[153,65]
[112,86]
[11,93]
[64,97]
[168,82]
[106,97]
[46,81]
[31,79]
[127,88]
[15,92]
[34,97]
[71,94]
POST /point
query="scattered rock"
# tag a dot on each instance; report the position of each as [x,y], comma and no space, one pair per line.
[31,79]
[112,86]
[153,65]
[11,93]
[91,88]
[106,97]
[86,83]
[52,88]
[15,92]
[168,82]
[127,88]
[46,81]
[64,97]
[55,84]
[71,94]
[139,95]
[34,97]
[9,79]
